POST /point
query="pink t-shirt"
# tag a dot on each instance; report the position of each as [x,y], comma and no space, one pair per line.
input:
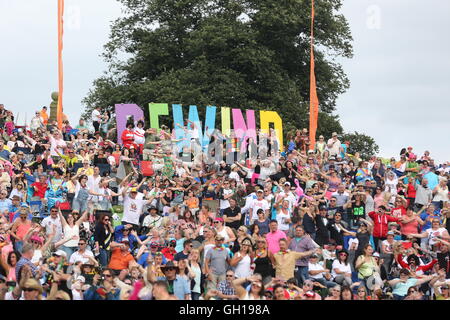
[272,240]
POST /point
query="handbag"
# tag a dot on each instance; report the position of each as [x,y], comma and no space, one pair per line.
[147,168]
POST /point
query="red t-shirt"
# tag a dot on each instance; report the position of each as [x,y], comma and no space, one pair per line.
[398,212]
[41,188]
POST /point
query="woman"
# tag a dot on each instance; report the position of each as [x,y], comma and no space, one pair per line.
[263,259]
[192,202]
[71,228]
[362,294]
[224,231]
[195,267]
[335,293]
[20,228]
[18,190]
[254,232]
[188,219]
[56,189]
[332,180]
[367,266]
[32,290]
[379,198]
[103,234]
[411,224]
[440,193]
[279,292]
[82,193]
[241,235]
[262,222]
[346,293]
[242,260]
[256,290]
[184,271]
[433,234]
[10,265]
[341,270]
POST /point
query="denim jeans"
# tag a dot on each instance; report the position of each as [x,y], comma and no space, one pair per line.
[103,258]
[301,274]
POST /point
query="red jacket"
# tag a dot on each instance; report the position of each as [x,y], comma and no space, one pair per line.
[380,222]
[423,268]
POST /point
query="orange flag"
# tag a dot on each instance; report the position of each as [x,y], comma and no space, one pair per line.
[59,113]
[313,99]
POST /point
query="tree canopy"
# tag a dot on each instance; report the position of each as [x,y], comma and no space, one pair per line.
[236,53]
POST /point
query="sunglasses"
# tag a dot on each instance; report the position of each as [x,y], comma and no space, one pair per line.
[230,276]
[29,289]
[105,219]
[216,222]
[81,243]
[107,275]
[170,269]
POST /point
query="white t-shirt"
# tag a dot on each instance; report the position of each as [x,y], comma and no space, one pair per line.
[234,175]
[341,267]
[139,135]
[132,208]
[76,256]
[281,218]
[225,203]
[290,197]
[47,224]
[432,235]
[96,115]
[315,267]
[259,204]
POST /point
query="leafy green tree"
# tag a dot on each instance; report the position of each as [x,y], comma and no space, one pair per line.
[361,143]
[237,53]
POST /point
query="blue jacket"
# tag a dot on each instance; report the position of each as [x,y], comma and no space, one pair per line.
[118,237]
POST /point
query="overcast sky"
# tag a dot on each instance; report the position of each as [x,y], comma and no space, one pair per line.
[399,74]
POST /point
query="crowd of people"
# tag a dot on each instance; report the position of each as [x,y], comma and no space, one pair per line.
[88,215]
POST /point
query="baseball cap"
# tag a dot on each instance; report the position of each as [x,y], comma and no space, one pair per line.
[332,158]
[322,208]
[219,219]
[376,254]
[334,134]
[287,183]
[259,190]
[309,294]
[60,253]
[133,190]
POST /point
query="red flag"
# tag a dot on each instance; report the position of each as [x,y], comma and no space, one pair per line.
[313,99]
[59,113]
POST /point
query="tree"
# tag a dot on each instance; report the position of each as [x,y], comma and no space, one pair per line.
[361,143]
[237,53]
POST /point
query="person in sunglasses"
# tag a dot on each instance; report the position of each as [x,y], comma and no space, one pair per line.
[169,252]
[103,287]
[177,285]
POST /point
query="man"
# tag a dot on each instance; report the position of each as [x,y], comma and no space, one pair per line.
[232,215]
[225,288]
[52,223]
[322,232]
[133,205]
[83,254]
[274,236]
[161,291]
[5,203]
[381,220]
[150,255]
[424,195]
[284,260]
[301,243]
[334,145]
[225,194]
[25,259]
[106,290]
[177,285]
[121,257]
[288,195]
[96,119]
[81,126]
[40,187]
[126,232]
[341,196]
[187,247]
[258,203]
[153,220]
[70,158]
[44,115]
[401,285]
[216,264]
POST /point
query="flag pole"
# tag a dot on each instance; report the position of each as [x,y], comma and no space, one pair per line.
[313,100]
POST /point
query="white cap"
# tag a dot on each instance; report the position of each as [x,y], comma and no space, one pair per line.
[60,253]
[376,254]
